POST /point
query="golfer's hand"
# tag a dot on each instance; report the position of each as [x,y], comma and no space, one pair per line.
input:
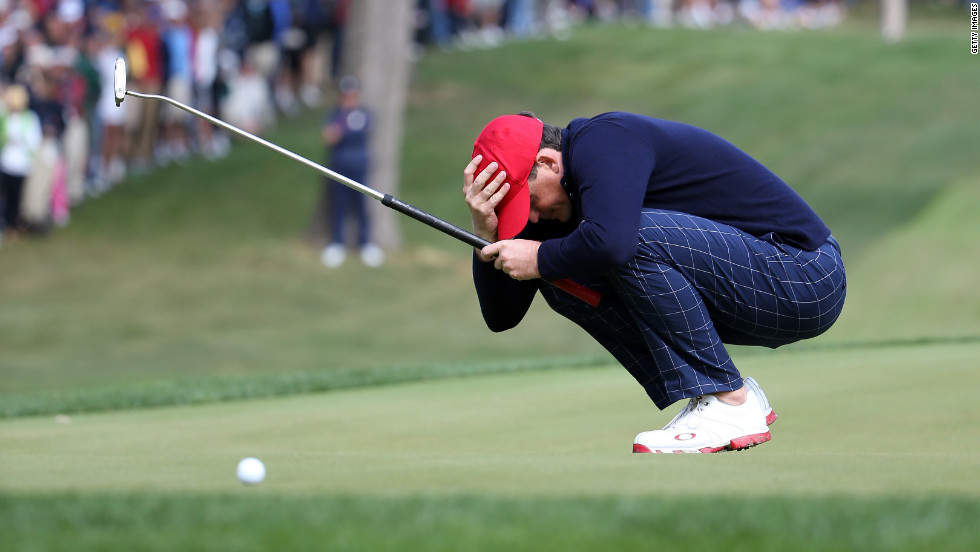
[517,258]
[482,194]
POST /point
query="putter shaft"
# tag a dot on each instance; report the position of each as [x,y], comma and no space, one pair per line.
[294,156]
[576,289]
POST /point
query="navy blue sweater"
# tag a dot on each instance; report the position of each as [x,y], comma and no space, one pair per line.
[617,163]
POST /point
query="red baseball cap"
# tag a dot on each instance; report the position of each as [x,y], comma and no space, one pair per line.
[513,141]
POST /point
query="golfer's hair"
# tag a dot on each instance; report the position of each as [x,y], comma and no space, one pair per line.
[550,138]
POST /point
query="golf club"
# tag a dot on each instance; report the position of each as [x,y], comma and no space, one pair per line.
[580,291]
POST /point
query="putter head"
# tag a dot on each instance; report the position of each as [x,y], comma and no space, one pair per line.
[119,81]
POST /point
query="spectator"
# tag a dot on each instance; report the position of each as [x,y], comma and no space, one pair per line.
[110,165]
[21,139]
[11,50]
[346,131]
[45,179]
[336,25]
[312,20]
[207,43]
[249,102]
[86,66]
[519,17]
[432,23]
[297,74]
[287,40]
[487,15]
[144,62]
[177,41]
[261,50]
[82,91]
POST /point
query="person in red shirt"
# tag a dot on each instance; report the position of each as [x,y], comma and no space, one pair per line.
[146,72]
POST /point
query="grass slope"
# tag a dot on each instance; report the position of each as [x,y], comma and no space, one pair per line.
[924,271]
[203,271]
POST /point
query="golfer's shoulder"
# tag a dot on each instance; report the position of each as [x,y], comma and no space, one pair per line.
[612,127]
[610,119]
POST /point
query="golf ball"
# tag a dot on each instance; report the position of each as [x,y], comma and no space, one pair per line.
[251,471]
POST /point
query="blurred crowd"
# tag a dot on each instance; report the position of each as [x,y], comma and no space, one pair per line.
[248,62]
[487,23]
[63,139]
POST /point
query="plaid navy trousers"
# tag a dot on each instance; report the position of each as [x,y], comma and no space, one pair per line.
[695,285]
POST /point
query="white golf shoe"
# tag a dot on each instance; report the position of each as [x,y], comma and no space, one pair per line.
[760,396]
[707,424]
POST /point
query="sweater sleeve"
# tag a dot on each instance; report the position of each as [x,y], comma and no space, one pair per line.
[503,300]
[611,166]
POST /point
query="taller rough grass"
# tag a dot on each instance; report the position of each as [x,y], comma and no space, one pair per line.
[244,523]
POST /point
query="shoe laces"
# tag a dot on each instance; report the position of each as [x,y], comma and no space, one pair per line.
[696,414]
[692,405]
[692,415]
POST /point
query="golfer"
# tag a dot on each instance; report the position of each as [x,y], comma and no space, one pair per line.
[692,243]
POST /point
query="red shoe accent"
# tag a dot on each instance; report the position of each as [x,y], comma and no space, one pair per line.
[641,448]
[711,449]
[771,417]
[749,441]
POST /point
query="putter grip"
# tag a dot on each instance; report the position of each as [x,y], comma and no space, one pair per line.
[584,293]
[446,228]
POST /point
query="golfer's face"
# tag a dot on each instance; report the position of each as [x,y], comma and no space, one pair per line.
[548,200]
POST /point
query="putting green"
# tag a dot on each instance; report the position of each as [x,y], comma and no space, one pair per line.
[888,421]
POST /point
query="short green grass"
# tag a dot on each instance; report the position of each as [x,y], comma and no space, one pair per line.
[542,459]
[853,422]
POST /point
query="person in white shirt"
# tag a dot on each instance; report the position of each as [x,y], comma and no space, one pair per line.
[21,139]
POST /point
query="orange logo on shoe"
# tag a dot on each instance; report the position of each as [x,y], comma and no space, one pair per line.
[684,436]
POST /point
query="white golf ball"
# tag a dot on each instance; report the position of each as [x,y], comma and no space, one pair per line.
[251,471]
